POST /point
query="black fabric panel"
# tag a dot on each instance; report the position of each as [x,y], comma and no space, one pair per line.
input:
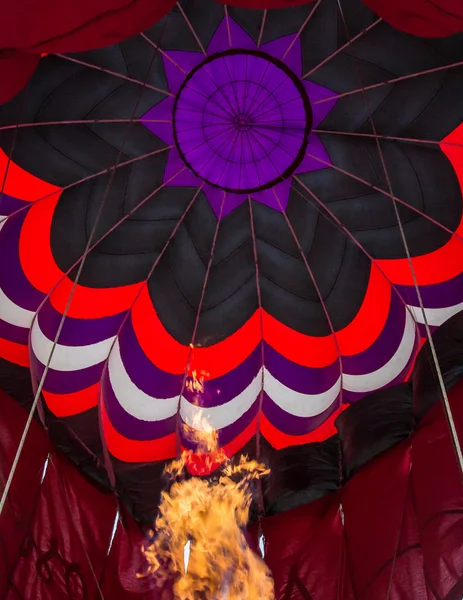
[16,382]
[355,17]
[171,29]
[301,474]
[66,153]
[125,255]
[250,20]
[427,107]
[436,120]
[230,297]
[321,36]
[421,177]
[84,451]
[204,22]
[140,485]
[374,424]
[406,104]
[448,342]
[77,437]
[281,21]
[288,291]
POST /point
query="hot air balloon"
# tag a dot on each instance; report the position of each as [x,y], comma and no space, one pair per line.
[244,219]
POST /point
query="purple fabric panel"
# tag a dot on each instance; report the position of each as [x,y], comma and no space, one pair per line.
[10,204]
[216,197]
[220,40]
[13,333]
[439,295]
[146,376]
[12,279]
[354,396]
[278,195]
[290,424]
[384,347]
[298,378]
[183,176]
[177,68]
[240,121]
[317,150]
[66,382]
[286,50]
[128,425]
[161,112]
[317,93]
[77,332]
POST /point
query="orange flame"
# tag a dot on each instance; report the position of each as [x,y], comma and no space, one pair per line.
[208,518]
[195,383]
[207,456]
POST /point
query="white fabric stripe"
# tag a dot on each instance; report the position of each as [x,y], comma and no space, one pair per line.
[68,358]
[14,314]
[384,375]
[436,316]
[9,310]
[147,408]
[133,400]
[297,404]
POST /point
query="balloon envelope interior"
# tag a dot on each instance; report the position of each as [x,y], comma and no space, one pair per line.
[229,216]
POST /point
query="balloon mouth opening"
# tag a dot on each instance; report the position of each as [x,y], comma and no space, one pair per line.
[241,121]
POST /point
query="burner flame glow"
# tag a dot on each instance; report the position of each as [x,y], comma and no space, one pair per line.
[199,542]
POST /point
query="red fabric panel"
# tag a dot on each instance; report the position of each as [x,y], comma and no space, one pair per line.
[403,527]
[305,549]
[19,508]
[60,26]
[262,4]
[384,542]
[423,18]
[15,70]
[57,26]
[404,574]
[373,503]
[438,494]
[67,26]
[124,562]
[68,540]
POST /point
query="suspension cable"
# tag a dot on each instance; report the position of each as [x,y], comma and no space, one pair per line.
[39,389]
[443,390]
